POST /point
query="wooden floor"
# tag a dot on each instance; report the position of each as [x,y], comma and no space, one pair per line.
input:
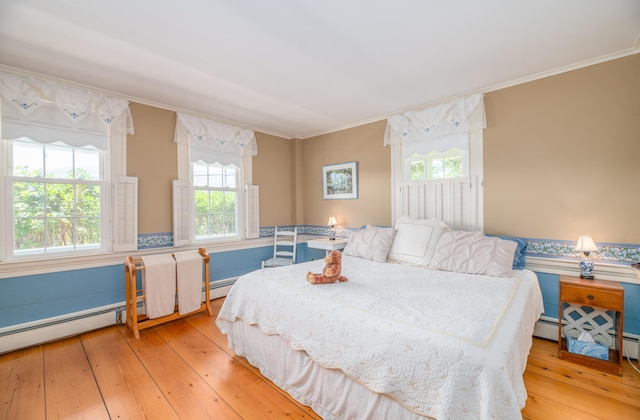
[184,370]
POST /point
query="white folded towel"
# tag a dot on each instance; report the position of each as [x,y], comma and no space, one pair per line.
[159,284]
[189,277]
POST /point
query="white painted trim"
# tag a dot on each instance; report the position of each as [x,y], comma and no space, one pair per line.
[21,268]
[55,331]
[601,270]
[46,330]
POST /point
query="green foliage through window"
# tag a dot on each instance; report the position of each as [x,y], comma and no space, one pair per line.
[216,200]
[57,198]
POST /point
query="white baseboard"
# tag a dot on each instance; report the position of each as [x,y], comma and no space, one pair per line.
[548,328]
[29,334]
[51,329]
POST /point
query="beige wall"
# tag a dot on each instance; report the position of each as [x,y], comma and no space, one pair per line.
[562,155]
[152,157]
[363,144]
[273,173]
[561,158]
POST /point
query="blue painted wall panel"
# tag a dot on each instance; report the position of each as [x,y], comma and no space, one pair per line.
[30,298]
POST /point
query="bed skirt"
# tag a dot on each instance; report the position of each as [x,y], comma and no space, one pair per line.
[329,392]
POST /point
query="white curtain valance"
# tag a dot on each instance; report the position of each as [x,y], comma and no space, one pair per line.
[13,130]
[439,127]
[208,156]
[208,135]
[29,99]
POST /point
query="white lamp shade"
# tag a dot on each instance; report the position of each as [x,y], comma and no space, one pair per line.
[585,244]
[332,221]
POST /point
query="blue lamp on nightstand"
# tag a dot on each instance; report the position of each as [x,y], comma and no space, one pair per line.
[586,245]
[332,233]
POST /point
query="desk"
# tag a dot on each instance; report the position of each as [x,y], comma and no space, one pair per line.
[327,244]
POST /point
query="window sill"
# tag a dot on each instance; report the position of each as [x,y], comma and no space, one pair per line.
[19,268]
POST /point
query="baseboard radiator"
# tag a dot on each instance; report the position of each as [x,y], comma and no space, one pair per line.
[29,334]
[547,327]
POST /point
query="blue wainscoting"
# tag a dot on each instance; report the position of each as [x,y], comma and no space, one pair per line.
[38,297]
[41,296]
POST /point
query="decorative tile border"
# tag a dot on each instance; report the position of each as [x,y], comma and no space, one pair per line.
[342,233]
[155,240]
[535,247]
[606,251]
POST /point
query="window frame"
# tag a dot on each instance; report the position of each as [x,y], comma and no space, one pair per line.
[113,166]
[428,163]
[401,177]
[238,190]
[8,251]
[183,187]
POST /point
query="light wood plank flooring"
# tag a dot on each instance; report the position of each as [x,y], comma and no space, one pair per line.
[184,370]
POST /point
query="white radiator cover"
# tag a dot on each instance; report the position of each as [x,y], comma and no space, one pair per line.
[51,329]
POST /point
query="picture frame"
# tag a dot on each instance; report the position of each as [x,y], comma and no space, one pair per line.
[340,181]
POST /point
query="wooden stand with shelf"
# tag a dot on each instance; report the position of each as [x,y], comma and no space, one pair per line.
[602,296]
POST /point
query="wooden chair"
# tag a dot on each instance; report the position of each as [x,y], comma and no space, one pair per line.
[284,248]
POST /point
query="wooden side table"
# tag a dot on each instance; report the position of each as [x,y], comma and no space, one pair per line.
[603,297]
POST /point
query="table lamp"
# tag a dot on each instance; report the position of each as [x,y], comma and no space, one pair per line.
[586,245]
[332,233]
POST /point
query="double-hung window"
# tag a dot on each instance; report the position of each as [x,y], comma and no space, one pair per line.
[217,200]
[56,197]
[436,156]
[211,199]
[60,148]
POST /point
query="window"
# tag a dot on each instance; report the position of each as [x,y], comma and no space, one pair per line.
[438,165]
[59,148]
[216,200]
[56,198]
[210,199]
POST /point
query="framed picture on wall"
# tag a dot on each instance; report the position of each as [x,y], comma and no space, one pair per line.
[340,181]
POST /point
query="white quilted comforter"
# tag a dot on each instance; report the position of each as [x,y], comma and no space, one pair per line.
[444,345]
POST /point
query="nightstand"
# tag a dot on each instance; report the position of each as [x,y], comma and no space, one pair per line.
[598,305]
[327,244]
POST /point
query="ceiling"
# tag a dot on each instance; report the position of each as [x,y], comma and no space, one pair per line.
[299,68]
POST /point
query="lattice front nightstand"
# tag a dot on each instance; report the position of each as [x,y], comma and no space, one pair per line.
[598,305]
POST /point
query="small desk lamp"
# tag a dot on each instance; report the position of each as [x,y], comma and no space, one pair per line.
[332,233]
[586,245]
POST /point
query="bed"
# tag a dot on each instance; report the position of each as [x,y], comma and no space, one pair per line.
[399,339]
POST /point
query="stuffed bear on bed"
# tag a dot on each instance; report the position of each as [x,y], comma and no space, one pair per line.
[331,270]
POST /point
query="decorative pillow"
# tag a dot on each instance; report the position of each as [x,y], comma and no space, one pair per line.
[371,243]
[521,251]
[474,253]
[415,240]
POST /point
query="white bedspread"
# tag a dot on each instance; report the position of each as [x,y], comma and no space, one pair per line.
[442,344]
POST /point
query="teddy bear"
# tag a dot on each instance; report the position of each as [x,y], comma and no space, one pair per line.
[331,270]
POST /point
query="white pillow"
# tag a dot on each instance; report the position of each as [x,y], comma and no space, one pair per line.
[474,253]
[415,240]
[371,243]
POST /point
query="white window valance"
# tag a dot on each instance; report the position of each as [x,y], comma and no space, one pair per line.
[438,127]
[32,100]
[210,138]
